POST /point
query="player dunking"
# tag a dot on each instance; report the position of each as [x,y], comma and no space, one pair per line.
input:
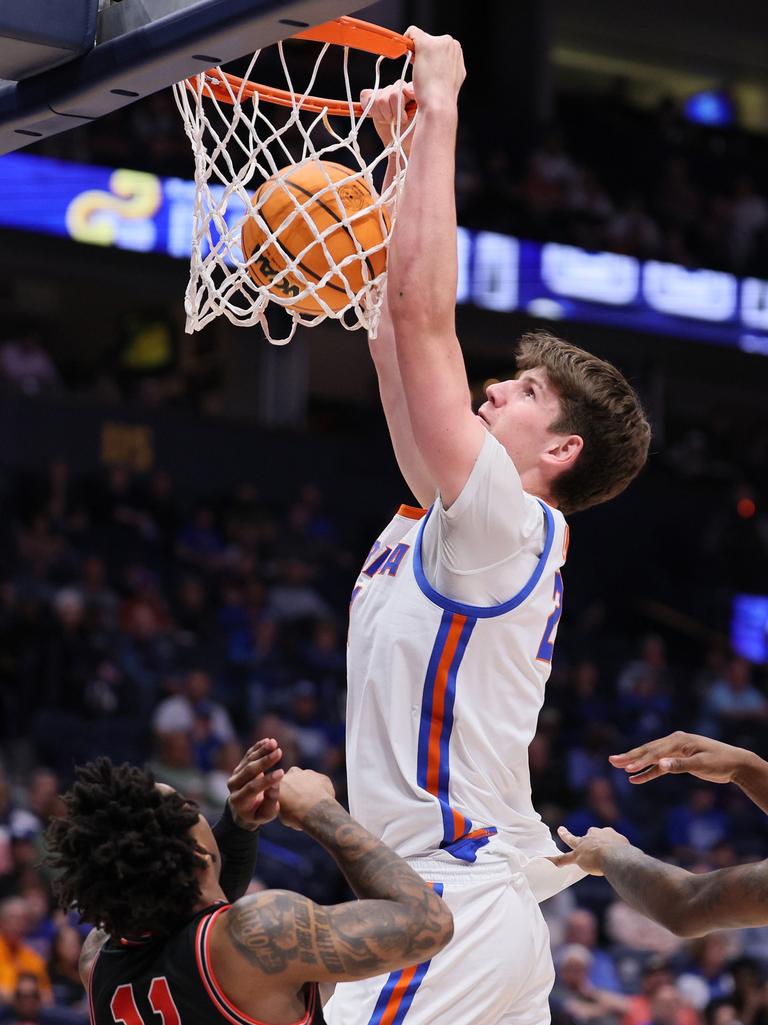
[454,615]
[137,860]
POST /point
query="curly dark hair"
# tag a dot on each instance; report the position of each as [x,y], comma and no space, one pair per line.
[123,854]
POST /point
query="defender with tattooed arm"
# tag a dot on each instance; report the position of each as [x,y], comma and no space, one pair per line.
[138,861]
[687,904]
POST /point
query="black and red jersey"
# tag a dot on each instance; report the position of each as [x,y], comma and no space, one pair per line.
[166,981]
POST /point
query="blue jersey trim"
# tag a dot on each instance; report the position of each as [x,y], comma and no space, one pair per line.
[482,611]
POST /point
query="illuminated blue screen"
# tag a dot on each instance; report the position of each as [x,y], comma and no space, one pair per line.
[143,212]
[711,108]
[749,627]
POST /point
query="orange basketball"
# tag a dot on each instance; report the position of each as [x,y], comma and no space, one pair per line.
[275,205]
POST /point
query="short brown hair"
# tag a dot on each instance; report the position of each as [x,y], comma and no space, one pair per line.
[597,403]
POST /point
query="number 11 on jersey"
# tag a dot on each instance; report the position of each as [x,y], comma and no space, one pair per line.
[544,654]
[124,1009]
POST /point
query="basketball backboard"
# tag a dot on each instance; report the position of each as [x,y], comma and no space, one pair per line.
[143,46]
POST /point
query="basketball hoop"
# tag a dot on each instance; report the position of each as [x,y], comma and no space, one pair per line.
[248,155]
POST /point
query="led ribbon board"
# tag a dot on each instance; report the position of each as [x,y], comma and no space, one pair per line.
[145,213]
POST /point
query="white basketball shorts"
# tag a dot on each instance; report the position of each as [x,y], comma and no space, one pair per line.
[497,969]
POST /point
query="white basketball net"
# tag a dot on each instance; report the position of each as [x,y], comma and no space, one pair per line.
[240,144]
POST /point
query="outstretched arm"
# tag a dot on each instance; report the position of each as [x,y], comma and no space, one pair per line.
[422,276]
[687,904]
[702,757]
[399,921]
[409,459]
[389,109]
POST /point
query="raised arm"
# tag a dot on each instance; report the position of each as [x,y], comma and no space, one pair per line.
[253,801]
[409,458]
[422,276]
[399,922]
[686,903]
[701,757]
[389,107]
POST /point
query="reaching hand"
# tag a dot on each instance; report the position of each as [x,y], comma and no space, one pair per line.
[438,69]
[254,795]
[681,752]
[587,851]
[384,111]
[301,791]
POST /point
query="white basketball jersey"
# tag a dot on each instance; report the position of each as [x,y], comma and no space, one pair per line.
[443,703]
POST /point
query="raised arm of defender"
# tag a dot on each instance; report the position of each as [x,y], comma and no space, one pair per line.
[703,757]
[686,903]
[286,938]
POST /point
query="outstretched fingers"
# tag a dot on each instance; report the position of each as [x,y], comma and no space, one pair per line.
[569,858]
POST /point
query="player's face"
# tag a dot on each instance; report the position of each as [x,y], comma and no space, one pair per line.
[518,413]
[203,834]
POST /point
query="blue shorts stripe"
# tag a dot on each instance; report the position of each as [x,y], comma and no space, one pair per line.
[410,992]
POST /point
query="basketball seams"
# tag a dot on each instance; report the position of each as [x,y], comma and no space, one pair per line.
[354,240]
[319,252]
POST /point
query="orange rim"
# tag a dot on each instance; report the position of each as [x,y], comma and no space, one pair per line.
[344,31]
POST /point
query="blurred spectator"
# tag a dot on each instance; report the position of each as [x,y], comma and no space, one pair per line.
[99,599]
[749,215]
[319,742]
[199,541]
[14,823]
[16,957]
[656,975]
[644,710]
[652,664]
[581,928]
[733,701]
[40,927]
[184,712]
[28,1006]
[551,174]
[174,763]
[43,797]
[601,809]
[145,655]
[574,995]
[26,366]
[666,1005]
[63,966]
[749,994]
[707,976]
[293,597]
[698,825]
[633,231]
[588,755]
[629,929]
[722,1011]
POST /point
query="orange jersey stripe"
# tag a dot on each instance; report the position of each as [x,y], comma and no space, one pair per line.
[411,512]
[438,702]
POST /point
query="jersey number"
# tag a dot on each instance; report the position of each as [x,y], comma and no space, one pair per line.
[547,646]
[124,1009]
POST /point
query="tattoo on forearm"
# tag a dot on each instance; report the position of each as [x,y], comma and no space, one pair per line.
[691,904]
[274,931]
